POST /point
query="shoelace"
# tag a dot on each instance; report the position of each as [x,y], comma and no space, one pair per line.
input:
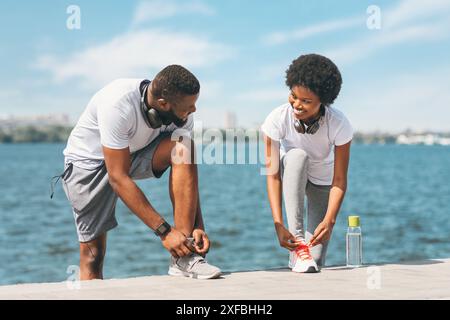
[302,251]
[198,259]
[192,262]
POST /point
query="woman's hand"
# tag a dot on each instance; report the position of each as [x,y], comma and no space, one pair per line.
[322,233]
[286,239]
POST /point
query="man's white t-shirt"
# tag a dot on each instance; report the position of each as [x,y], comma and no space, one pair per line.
[334,130]
[113,118]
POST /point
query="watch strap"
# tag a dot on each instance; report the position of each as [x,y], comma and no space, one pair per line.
[163,229]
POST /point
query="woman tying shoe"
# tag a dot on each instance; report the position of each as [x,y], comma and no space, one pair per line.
[309,141]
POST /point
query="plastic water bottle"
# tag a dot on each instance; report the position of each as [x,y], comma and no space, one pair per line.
[354,242]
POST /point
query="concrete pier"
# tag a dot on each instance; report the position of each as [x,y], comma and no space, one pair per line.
[428,279]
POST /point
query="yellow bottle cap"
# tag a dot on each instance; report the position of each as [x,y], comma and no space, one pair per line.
[353,221]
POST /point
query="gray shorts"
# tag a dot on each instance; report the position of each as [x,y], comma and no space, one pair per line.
[92,198]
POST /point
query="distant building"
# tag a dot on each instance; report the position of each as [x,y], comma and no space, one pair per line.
[230,120]
[426,139]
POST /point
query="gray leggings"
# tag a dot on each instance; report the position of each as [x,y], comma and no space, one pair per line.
[295,185]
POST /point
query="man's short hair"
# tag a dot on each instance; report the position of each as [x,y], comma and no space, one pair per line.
[173,81]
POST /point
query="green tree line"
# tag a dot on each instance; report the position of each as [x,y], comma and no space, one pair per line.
[58,133]
[35,134]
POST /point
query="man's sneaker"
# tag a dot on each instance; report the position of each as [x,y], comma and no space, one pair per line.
[194,266]
[300,260]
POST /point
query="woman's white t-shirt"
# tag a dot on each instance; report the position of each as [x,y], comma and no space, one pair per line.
[335,130]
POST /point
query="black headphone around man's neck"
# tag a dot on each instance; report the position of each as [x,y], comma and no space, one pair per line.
[151,116]
[154,118]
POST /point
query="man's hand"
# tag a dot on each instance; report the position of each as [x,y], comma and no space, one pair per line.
[201,241]
[322,233]
[286,239]
[176,243]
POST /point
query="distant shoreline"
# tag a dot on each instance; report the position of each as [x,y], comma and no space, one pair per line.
[358,143]
[60,134]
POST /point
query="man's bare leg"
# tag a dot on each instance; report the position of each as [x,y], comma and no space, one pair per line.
[183,182]
[92,255]
[183,187]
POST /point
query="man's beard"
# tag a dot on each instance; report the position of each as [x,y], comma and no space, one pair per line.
[168,117]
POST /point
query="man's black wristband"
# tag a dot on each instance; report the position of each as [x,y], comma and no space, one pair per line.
[163,229]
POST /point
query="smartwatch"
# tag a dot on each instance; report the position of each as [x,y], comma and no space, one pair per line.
[163,229]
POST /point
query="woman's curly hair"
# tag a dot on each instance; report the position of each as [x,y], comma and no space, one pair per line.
[317,73]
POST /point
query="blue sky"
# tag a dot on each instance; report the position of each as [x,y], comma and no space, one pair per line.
[395,77]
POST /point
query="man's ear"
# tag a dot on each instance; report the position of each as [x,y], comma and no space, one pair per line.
[163,104]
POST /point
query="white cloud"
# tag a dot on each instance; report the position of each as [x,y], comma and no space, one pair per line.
[414,10]
[411,20]
[400,15]
[138,52]
[134,54]
[265,95]
[210,90]
[276,38]
[416,100]
[272,71]
[18,102]
[362,48]
[9,93]
[159,9]
[416,20]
